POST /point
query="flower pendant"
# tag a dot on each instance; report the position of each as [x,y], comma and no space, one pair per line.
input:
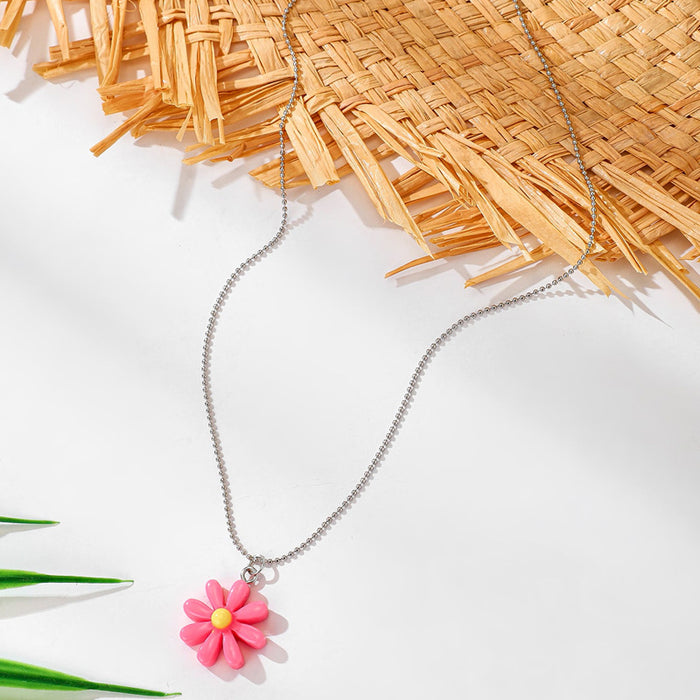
[223,624]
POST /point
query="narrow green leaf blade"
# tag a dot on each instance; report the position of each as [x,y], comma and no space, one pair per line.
[14,674]
[23,521]
[12,578]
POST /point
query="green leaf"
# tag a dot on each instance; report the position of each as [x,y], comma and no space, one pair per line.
[10,578]
[17,675]
[22,521]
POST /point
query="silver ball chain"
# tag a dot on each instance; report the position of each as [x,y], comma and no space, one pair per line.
[255,562]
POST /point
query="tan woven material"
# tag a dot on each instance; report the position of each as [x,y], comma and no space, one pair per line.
[452,88]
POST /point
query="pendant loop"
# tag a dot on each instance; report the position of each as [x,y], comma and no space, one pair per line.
[251,572]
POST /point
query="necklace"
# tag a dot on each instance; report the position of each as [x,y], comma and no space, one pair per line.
[229,618]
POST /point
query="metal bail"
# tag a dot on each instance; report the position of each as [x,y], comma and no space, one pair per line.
[251,572]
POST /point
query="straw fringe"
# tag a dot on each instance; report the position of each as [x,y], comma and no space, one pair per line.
[450,87]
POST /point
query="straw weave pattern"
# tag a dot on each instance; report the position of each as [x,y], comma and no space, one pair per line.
[448,90]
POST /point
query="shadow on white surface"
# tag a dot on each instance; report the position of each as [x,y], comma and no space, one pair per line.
[265,579]
[12,528]
[254,669]
[273,626]
[31,45]
[19,606]
[185,185]
[29,694]
[33,37]
[302,219]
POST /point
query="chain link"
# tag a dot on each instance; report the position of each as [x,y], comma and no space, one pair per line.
[256,562]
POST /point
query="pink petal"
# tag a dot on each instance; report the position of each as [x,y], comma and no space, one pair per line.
[252,636]
[238,595]
[232,652]
[215,594]
[196,633]
[197,611]
[253,612]
[209,651]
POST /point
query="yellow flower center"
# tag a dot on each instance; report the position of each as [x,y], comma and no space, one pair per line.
[221,618]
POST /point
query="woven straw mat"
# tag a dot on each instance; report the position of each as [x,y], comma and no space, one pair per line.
[451,89]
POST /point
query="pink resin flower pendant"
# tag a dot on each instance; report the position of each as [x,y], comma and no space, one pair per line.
[224,623]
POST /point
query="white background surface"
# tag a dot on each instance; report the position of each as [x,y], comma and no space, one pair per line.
[533,533]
